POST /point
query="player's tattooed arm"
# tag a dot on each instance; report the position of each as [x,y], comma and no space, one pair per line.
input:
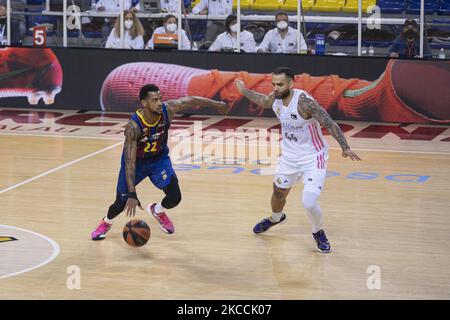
[308,107]
[185,103]
[260,99]
[132,133]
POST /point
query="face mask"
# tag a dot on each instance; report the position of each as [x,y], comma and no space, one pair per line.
[234,28]
[410,34]
[171,27]
[282,25]
[128,24]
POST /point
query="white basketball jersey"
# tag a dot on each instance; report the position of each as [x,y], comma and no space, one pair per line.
[302,139]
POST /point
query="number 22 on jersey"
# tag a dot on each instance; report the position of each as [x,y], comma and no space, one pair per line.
[151,147]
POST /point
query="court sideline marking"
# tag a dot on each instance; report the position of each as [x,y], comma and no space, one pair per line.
[65,165]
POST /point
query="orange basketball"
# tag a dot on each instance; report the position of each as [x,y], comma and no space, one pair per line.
[136,233]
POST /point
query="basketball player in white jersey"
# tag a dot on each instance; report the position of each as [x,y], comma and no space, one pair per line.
[304,151]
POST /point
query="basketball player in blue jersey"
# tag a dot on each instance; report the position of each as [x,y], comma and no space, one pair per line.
[304,151]
[146,154]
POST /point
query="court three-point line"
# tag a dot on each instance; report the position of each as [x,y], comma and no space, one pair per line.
[65,165]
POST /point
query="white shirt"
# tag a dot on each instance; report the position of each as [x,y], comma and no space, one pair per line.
[114,5]
[215,7]
[185,43]
[169,5]
[226,41]
[272,42]
[301,139]
[114,42]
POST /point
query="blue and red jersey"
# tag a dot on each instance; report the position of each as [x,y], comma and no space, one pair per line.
[153,139]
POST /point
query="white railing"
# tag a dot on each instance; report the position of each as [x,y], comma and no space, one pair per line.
[359,19]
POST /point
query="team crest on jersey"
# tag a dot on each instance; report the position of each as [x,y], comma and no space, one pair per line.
[278,111]
[293,116]
[279,180]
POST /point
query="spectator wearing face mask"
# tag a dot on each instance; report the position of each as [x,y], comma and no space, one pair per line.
[133,33]
[170,26]
[112,6]
[282,39]
[213,8]
[407,45]
[227,41]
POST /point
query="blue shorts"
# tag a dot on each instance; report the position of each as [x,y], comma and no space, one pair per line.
[159,170]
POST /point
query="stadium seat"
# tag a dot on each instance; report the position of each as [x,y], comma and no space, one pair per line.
[35,2]
[245,4]
[390,6]
[444,8]
[445,24]
[87,34]
[31,21]
[431,6]
[266,5]
[352,5]
[328,5]
[291,5]
[440,34]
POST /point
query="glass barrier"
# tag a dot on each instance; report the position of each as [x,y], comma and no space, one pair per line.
[342,27]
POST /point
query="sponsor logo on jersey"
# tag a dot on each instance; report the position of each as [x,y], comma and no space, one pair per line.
[293,116]
[290,127]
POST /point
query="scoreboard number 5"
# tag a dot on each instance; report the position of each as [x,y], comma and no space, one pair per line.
[40,36]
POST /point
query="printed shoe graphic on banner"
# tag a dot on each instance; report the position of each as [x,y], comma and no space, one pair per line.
[407,91]
[30,72]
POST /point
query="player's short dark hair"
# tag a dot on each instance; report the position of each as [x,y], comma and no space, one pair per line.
[281,13]
[146,89]
[166,18]
[228,22]
[286,71]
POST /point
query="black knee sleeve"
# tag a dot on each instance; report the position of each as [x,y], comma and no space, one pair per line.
[173,194]
[116,208]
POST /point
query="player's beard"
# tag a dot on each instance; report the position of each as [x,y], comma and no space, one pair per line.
[282,95]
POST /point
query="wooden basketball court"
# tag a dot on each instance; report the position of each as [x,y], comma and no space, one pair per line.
[387,218]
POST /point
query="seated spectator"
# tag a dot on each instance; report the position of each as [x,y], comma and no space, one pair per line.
[133,35]
[227,41]
[169,6]
[170,26]
[214,8]
[17,21]
[407,44]
[112,6]
[282,39]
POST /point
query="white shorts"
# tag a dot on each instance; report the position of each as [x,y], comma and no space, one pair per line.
[312,170]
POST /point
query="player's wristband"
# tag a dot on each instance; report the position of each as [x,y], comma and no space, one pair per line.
[133,195]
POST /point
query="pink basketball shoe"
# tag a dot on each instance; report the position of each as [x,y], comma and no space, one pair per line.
[101,230]
[164,222]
